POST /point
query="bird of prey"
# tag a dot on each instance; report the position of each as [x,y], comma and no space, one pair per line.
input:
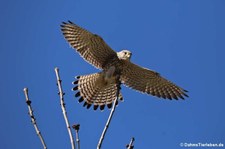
[102,88]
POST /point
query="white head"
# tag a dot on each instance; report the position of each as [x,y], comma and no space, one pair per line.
[124,54]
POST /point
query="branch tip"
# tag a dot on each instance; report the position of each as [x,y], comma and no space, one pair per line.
[33,119]
[76,127]
[130,145]
[62,103]
[56,69]
[108,121]
[25,89]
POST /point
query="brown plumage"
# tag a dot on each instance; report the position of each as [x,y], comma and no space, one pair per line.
[101,88]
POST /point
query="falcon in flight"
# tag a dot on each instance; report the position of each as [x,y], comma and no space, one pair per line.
[102,88]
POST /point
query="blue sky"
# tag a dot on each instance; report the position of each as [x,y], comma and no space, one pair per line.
[183,40]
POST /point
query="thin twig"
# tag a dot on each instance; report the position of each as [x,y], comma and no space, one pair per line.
[33,119]
[107,123]
[130,145]
[62,103]
[77,127]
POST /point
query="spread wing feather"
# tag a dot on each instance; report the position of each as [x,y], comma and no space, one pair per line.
[90,46]
[150,82]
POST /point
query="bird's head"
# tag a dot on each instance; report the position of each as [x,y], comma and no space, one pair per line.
[124,54]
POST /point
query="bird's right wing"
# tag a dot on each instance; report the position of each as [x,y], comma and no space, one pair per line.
[90,46]
[150,82]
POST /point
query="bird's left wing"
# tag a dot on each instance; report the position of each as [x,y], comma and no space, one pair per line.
[90,46]
[150,82]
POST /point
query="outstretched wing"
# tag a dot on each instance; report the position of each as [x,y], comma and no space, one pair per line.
[90,46]
[150,82]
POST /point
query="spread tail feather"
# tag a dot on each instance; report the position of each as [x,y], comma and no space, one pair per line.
[95,89]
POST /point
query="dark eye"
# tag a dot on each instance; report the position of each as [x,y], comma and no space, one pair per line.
[125,53]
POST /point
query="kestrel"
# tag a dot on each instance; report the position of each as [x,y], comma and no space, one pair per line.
[102,88]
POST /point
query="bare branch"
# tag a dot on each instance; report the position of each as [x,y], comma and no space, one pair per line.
[76,128]
[62,103]
[33,119]
[130,145]
[107,123]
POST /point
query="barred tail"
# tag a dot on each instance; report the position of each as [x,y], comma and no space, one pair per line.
[94,89]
